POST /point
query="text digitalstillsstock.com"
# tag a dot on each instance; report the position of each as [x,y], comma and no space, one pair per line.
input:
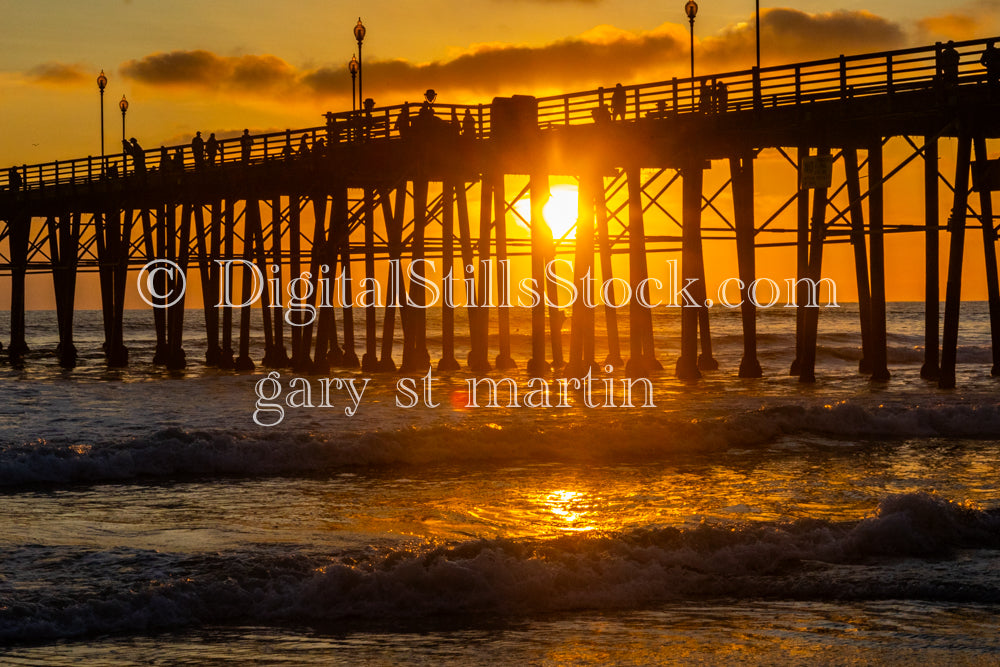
[162,283]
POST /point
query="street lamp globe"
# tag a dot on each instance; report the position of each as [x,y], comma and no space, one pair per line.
[691,9]
[352,66]
[359,31]
[102,81]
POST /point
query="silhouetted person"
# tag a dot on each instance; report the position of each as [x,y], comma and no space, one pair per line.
[165,164]
[705,97]
[303,146]
[991,61]
[947,63]
[198,150]
[178,160]
[468,124]
[721,97]
[618,102]
[138,156]
[286,151]
[246,145]
[403,120]
[319,148]
[601,114]
[211,149]
[369,106]
[14,179]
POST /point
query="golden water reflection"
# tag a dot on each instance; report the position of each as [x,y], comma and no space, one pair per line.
[571,510]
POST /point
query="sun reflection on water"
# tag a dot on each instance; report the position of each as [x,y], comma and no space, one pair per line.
[571,511]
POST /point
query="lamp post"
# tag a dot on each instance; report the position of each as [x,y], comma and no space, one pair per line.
[359,34]
[102,83]
[123,105]
[353,68]
[691,9]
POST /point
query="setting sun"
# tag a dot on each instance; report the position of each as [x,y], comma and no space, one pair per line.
[560,211]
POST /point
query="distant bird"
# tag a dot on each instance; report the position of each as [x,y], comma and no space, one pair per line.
[34,144]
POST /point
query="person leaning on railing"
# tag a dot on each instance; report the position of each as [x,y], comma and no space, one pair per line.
[13,179]
[246,145]
[947,63]
[991,61]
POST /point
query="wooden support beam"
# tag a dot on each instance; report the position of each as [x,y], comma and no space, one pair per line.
[277,356]
[504,359]
[801,258]
[393,216]
[810,322]
[876,216]
[19,235]
[64,235]
[323,276]
[176,357]
[932,286]
[741,173]
[642,359]
[614,358]
[539,194]
[416,357]
[953,290]
[989,251]
[209,291]
[853,176]
[369,360]
[296,318]
[448,362]
[692,180]
[581,349]
[226,360]
[342,230]
[163,242]
[479,361]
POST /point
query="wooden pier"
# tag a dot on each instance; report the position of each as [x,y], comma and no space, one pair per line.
[387,188]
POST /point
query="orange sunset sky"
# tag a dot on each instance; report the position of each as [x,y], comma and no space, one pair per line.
[224,65]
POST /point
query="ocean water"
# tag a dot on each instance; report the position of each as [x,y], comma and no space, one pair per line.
[147,518]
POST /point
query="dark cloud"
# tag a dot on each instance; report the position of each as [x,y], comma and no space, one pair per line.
[184,68]
[601,56]
[58,74]
[789,35]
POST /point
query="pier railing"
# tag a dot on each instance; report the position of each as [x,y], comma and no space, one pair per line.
[834,79]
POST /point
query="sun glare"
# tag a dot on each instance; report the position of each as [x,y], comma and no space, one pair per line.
[560,211]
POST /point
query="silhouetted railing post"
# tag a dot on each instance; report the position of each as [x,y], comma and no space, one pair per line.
[758,99]
[843,78]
